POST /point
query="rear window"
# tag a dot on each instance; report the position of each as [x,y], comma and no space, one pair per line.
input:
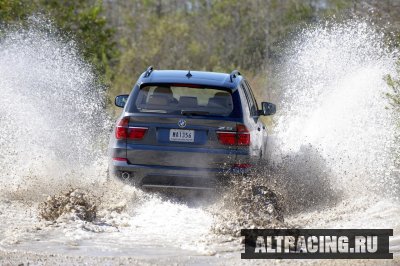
[184,99]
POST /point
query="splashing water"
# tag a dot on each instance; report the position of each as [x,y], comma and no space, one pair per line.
[51,109]
[335,101]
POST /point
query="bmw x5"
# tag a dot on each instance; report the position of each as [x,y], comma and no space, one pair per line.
[187,129]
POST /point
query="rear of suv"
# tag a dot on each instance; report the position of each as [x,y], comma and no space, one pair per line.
[187,129]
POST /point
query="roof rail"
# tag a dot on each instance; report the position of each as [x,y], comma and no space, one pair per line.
[148,71]
[234,74]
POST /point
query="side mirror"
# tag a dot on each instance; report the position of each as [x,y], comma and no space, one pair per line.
[267,108]
[120,100]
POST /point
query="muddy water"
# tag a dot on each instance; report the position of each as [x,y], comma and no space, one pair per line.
[333,158]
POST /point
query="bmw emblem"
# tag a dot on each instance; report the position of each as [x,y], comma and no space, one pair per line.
[182,123]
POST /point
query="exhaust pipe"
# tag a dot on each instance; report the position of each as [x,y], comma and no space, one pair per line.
[125,175]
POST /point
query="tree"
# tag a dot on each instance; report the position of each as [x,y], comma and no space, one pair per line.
[81,20]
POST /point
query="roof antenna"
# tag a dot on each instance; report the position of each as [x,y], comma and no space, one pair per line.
[189,75]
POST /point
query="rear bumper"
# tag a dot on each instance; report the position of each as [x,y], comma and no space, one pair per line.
[170,176]
[151,165]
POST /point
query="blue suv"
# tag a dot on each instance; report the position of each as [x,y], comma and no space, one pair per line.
[187,129]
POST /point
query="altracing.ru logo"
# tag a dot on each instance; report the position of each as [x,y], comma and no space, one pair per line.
[317,243]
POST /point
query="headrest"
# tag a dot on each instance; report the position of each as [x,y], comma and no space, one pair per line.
[216,102]
[158,100]
[188,101]
[162,90]
[221,94]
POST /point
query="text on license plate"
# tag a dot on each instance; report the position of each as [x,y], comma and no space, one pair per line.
[181,135]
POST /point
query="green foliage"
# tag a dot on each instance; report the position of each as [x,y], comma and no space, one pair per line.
[122,38]
[13,10]
[394,84]
[299,13]
[219,35]
[84,21]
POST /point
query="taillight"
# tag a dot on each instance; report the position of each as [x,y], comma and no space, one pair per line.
[136,133]
[243,135]
[123,131]
[227,138]
[120,159]
[240,137]
[241,165]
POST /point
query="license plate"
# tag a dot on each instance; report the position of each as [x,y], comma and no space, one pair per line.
[181,135]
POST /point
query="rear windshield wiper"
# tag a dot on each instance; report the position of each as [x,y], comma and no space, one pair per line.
[194,112]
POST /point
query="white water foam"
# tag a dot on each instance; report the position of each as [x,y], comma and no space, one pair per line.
[335,101]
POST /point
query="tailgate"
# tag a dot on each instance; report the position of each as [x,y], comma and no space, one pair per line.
[181,141]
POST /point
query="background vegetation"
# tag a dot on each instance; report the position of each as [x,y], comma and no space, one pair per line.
[122,38]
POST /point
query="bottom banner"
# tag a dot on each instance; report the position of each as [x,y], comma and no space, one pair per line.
[316,243]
